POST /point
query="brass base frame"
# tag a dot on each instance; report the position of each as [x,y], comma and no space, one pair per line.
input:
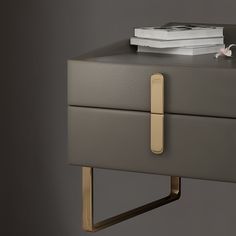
[87,188]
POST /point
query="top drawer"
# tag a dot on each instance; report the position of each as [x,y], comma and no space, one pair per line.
[191,88]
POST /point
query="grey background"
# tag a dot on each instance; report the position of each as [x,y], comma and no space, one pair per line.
[40,193]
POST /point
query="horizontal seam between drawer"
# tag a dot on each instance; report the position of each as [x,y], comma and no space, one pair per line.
[167,113]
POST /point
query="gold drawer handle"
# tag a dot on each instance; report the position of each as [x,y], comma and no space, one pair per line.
[157,113]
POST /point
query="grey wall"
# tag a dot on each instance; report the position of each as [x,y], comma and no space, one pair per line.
[40,192]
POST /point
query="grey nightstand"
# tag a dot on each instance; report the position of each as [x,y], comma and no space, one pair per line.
[182,122]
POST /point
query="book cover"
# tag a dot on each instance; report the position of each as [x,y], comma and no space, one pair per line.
[179,31]
[175,43]
[191,51]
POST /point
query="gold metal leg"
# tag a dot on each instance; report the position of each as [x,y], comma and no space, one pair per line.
[87,186]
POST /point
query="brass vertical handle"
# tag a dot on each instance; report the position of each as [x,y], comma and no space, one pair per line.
[157,113]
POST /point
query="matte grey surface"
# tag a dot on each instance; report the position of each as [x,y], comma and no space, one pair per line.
[40,192]
[188,89]
[195,147]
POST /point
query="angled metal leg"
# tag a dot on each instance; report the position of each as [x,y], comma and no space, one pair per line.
[87,185]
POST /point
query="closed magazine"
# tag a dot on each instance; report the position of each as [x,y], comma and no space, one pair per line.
[175,43]
[179,31]
[197,50]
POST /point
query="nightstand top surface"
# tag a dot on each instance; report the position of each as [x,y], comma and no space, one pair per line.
[122,53]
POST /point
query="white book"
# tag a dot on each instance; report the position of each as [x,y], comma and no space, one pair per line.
[179,31]
[155,43]
[197,50]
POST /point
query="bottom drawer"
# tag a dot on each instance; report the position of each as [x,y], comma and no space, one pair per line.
[194,146]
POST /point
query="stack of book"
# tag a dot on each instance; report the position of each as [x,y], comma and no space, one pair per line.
[182,39]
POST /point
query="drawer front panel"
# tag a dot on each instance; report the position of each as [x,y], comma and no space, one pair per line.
[188,90]
[194,146]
